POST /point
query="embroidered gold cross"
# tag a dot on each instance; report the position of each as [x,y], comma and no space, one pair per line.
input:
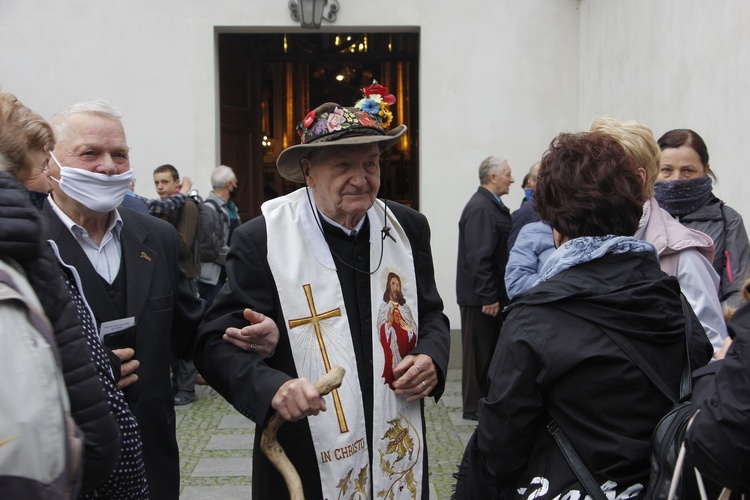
[315,320]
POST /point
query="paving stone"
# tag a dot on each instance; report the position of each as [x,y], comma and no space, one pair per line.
[452,401]
[222,467]
[453,387]
[458,420]
[216,444]
[228,492]
[236,421]
[230,442]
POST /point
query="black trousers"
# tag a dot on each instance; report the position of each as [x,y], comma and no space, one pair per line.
[479,334]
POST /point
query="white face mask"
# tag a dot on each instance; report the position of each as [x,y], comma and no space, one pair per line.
[98,192]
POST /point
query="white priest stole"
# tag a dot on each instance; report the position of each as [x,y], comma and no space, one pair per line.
[315,316]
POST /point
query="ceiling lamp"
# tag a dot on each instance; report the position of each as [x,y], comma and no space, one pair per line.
[310,13]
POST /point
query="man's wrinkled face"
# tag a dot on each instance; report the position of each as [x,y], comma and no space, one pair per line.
[92,142]
[345,181]
[501,182]
[165,184]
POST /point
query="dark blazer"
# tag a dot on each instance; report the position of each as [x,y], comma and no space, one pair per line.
[249,383]
[166,314]
[524,215]
[482,251]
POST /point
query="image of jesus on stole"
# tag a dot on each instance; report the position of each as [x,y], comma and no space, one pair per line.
[398,330]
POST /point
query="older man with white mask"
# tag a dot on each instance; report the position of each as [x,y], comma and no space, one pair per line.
[129,270]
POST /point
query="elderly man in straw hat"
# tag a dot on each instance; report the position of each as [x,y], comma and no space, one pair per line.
[314,270]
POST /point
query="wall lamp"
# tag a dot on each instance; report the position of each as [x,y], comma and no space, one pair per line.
[310,13]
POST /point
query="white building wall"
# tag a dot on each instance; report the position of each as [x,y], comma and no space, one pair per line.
[497,78]
[674,64]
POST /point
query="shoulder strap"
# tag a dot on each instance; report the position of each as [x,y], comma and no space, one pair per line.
[580,470]
[218,209]
[640,361]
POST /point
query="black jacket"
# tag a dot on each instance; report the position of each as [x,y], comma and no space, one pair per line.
[719,439]
[20,239]
[166,312]
[554,361]
[524,215]
[482,251]
[732,250]
[249,383]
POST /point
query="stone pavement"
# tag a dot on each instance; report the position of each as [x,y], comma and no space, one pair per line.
[216,444]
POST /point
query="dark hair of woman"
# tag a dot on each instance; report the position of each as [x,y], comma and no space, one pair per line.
[588,186]
[685,137]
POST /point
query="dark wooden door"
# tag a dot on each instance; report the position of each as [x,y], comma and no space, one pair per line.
[239,126]
[268,82]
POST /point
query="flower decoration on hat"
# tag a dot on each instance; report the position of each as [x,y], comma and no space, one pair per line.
[332,122]
[375,103]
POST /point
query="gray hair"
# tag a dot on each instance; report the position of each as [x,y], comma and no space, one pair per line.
[100,107]
[491,165]
[534,170]
[221,175]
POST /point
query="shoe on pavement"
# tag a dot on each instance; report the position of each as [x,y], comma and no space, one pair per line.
[183,398]
[471,416]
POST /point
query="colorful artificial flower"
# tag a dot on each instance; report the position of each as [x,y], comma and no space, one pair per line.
[385,117]
[375,103]
[367,120]
[375,88]
[335,120]
[309,119]
[368,106]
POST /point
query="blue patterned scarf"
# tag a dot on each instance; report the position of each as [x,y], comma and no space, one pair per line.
[587,248]
[684,196]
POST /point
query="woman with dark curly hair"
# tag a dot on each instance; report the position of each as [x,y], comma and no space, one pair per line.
[684,188]
[554,360]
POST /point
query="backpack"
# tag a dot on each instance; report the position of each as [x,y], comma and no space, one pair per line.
[211,236]
[40,445]
[668,436]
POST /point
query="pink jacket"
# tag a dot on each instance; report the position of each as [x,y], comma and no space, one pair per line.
[670,238]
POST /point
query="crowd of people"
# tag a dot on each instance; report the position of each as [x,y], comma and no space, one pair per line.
[618,233]
[111,304]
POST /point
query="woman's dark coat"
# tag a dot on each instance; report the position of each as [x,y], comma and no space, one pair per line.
[553,361]
[20,239]
[718,441]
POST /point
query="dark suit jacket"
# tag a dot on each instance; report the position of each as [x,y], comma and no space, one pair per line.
[249,383]
[166,315]
[524,215]
[482,251]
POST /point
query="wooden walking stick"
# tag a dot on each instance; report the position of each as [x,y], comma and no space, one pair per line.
[274,451]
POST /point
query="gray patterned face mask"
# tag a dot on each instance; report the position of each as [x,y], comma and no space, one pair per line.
[684,196]
[98,192]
